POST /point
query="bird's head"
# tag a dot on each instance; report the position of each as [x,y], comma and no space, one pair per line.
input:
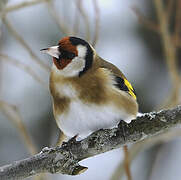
[72,56]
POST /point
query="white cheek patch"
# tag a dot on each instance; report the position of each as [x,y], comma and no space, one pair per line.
[76,65]
[82,50]
[72,69]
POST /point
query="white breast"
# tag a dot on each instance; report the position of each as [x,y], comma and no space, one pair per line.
[83,119]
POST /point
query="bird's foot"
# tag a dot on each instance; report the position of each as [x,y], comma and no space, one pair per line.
[73,139]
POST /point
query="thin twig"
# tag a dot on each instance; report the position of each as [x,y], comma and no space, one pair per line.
[169,9]
[19,38]
[169,49]
[13,114]
[173,98]
[85,18]
[97,22]
[170,46]
[21,5]
[177,23]
[139,147]
[65,159]
[146,22]
[76,20]
[119,172]
[22,66]
[127,163]
[61,25]
[152,25]
[1,77]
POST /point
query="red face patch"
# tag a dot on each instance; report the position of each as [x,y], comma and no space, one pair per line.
[60,64]
[65,45]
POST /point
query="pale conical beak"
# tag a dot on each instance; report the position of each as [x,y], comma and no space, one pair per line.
[52,51]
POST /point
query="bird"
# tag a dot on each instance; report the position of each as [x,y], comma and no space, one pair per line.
[88,93]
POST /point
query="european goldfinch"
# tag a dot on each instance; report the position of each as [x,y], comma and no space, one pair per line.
[88,92]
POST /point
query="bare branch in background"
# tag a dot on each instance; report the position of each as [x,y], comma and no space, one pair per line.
[13,114]
[1,77]
[97,22]
[127,165]
[139,147]
[85,18]
[177,23]
[24,67]
[169,49]
[1,72]
[19,38]
[149,24]
[169,8]
[145,21]
[61,25]
[65,159]
[76,19]
[169,44]
[24,4]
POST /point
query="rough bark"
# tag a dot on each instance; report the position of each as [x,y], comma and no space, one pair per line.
[65,159]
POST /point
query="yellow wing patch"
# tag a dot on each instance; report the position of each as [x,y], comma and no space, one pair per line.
[130,88]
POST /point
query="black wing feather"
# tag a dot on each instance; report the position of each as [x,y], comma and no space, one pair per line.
[120,84]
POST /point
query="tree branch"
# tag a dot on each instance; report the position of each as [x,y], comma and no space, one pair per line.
[169,48]
[85,18]
[65,159]
[20,39]
[13,114]
[24,4]
[59,22]
[97,22]
[27,69]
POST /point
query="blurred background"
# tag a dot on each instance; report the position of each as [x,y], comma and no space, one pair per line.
[142,38]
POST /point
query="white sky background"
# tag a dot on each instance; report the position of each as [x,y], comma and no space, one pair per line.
[117,44]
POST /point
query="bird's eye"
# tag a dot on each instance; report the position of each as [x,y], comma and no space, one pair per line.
[67,55]
[71,55]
